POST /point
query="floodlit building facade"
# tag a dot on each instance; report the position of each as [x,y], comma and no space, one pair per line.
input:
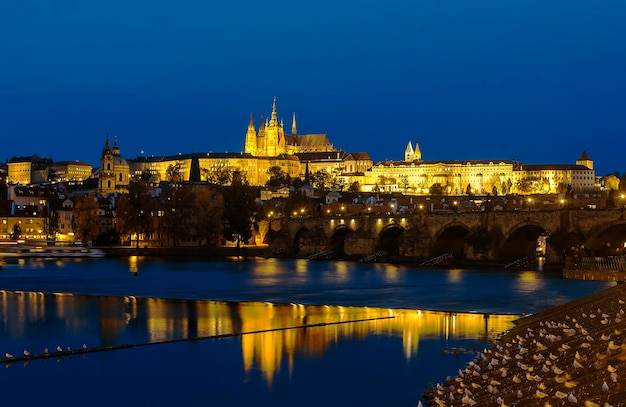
[478,177]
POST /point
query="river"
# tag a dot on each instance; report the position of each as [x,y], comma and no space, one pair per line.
[265,332]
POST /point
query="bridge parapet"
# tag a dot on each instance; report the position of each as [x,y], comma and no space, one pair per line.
[425,234]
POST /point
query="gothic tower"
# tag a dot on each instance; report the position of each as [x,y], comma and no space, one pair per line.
[260,145]
[417,153]
[408,153]
[274,134]
[294,132]
[251,141]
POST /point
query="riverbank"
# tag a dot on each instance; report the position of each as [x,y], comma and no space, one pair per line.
[573,353]
[186,251]
[250,252]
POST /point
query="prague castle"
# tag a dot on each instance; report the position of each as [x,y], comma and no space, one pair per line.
[269,146]
[271,139]
[263,149]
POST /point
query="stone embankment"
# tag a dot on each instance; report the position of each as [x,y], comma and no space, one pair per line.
[568,355]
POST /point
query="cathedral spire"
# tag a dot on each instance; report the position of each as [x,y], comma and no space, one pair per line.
[293,125]
[274,118]
[107,146]
[408,153]
[251,138]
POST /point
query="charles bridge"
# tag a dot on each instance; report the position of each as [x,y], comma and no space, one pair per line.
[494,236]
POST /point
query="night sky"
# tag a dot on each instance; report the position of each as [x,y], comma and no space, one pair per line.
[536,81]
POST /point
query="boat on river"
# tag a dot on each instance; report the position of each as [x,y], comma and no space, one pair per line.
[23,250]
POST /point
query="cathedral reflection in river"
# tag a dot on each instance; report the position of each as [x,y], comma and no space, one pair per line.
[270,333]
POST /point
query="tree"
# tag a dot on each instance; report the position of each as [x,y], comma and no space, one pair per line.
[354,187]
[208,213]
[17,232]
[404,181]
[220,174]
[134,211]
[436,189]
[178,213]
[85,218]
[3,189]
[277,177]
[173,173]
[239,210]
[611,182]
[52,175]
[298,203]
[341,183]
[52,223]
[321,180]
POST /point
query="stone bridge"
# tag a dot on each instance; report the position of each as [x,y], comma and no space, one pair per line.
[498,236]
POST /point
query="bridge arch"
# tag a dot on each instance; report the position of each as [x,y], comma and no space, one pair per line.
[450,239]
[338,239]
[295,243]
[521,241]
[388,239]
[605,239]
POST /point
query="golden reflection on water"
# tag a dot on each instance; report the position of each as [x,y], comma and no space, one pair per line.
[133,264]
[529,281]
[270,333]
[454,276]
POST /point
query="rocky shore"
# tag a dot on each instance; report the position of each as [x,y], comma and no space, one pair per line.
[571,354]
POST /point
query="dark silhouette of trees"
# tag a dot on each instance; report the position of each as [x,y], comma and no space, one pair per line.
[436,189]
[299,204]
[178,213]
[85,218]
[277,177]
[239,210]
[208,214]
[134,211]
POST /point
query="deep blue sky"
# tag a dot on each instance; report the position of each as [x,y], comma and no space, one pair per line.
[536,81]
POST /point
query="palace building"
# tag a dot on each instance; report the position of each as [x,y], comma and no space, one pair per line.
[478,177]
[264,148]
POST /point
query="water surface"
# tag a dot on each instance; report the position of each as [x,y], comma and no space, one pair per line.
[292,340]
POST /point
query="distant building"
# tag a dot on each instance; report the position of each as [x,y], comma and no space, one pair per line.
[271,140]
[477,177]
[28,170]
[552,178]
[114,171]
[64,171]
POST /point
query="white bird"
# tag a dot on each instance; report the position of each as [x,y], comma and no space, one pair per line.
[69,349]
[59,349]
[84,346]
[26,353]
[605,387]
[572,399]
[8,355]
[45,351]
